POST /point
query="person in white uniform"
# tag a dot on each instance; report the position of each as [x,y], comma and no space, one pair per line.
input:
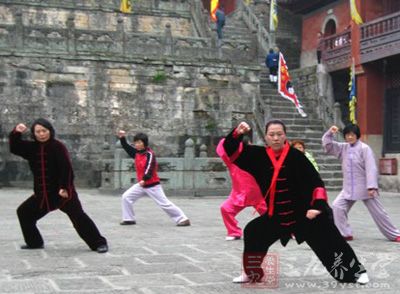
[148,182]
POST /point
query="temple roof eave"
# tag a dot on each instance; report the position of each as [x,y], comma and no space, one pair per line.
[304,6]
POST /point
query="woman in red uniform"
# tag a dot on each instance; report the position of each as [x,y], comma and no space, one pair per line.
[53,181]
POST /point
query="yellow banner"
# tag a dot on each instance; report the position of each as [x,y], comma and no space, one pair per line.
[213,9]
[273,16]
[126,6]
[355,16]
[352,94]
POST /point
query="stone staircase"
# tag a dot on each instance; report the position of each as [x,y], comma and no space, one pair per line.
[309,129]
[235,30]
[288,37]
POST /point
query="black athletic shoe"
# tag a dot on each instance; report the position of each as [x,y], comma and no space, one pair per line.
[31,247]
[102,248]
[128,222]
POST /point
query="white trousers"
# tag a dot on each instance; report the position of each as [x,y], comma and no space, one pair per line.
[156,193]
[342,206]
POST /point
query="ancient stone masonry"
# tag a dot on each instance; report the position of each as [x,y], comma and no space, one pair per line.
[37,29]
[94,71]
[186,175]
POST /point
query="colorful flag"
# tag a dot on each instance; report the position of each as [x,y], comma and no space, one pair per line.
[285,87]
[273,15]
[355,16]
[213,9]
[352,94]
[126,6]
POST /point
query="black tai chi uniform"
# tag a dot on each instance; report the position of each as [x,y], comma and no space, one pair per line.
[52,171]
[298,188]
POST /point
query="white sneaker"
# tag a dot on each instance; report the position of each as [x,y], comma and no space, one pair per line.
[363,279]
[232,238]
[243,278]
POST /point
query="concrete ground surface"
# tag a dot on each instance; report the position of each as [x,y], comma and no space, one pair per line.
[155,256]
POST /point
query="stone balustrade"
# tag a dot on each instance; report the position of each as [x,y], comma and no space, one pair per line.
[105,70]
[159,38]
[187,175]
[264,40]
[111,5]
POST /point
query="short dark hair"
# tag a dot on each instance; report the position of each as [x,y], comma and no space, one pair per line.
[44,123]
[352,128]
[295,142]
[142,137]
[275,122]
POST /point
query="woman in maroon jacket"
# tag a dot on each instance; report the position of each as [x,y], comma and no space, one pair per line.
[53,181]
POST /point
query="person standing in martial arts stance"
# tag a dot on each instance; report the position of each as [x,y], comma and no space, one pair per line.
[360,181]
[245,192]
[53,185]
[148,182]
[296,206]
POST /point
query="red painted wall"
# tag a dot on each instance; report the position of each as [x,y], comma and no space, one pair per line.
[371,9]
[229,5]
[368,9]
[312,24]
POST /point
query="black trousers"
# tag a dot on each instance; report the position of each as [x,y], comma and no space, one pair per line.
[319,55]
[29,212]
[320,234]
[273,70]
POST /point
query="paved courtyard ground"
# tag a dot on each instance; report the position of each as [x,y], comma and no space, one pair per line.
[155,256]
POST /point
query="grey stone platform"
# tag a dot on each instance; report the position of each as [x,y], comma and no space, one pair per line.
[155,256]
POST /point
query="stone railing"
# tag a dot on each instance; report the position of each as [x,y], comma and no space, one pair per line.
[262,114]
[105,5]
[314,84]
[187,175]
[254,24]
[201,19]
[117,43]
[4,151]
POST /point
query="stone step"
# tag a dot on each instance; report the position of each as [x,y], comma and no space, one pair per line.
[269,88]
[307,124]
[330,174]
[302,136]
[331,168]
[234,36]
[236,27]
[298,120]
[333,185]
[309,129]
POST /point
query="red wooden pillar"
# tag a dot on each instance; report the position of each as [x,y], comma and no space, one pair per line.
[370,99]
[370,86]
